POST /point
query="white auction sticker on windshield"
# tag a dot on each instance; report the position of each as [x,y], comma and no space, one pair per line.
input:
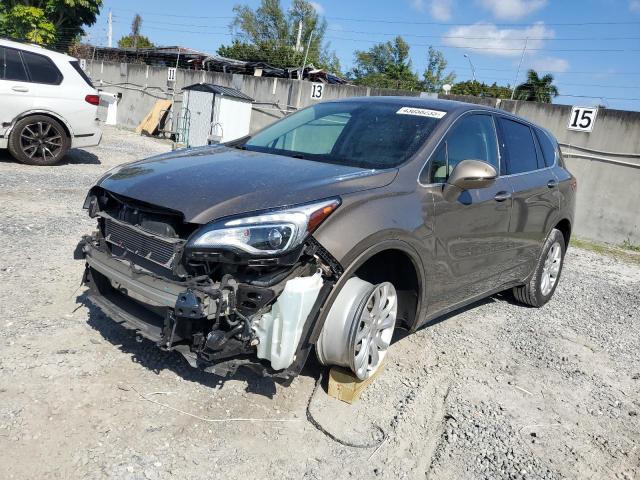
[421,112]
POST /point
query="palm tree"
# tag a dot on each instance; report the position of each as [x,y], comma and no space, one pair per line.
[536,89]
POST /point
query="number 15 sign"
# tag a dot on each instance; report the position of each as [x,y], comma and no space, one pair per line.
[582,119]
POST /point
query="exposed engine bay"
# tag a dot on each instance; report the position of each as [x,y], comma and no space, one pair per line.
[246,292]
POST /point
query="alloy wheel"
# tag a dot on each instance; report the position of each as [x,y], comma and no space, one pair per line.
[551,269]
[374,329]
[359,327]
[41,140]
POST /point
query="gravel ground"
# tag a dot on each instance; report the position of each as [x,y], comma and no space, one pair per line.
[494,391]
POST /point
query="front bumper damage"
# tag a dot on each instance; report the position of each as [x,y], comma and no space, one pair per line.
[216,325]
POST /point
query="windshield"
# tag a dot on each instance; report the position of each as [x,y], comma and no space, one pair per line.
[360,134]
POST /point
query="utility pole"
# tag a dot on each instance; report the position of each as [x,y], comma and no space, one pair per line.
[473,70]
[299,38]
[110,30]
[301,74]
[515,82]
[304,64]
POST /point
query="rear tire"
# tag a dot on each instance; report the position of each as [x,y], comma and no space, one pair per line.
[540,288]
[39,140]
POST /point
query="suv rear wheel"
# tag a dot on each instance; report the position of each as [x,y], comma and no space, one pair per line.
[38,140]
[359,327]
[544,281]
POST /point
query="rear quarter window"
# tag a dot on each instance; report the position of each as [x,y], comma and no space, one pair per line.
[548,148]
[521,149]
[76,65]
[41,69]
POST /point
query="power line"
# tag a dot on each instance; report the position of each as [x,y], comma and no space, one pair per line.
[550,71]
[380,20]
[464,47]
[515,49]
[408,34]
[453,24]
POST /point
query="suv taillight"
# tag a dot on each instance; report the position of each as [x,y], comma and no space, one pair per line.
[92,99]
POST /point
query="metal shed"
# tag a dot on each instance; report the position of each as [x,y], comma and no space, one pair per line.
[214,113]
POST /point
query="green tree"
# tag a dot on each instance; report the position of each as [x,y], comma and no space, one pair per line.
[385,65]
[434,77]
[68,17]
[269,34]
[27,23]
[477,89]
[135,39]
[536,89]
[140,41]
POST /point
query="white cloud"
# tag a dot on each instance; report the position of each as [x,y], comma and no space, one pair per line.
[438,9]
[634,6]
[441,9]
[549,64]
[512,9]
[487,39]
[318,8]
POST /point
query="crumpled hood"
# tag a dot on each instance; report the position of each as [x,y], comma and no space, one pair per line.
[213,182]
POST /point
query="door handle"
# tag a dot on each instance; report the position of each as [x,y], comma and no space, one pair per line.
[19,88]
[502,196]
[552,183]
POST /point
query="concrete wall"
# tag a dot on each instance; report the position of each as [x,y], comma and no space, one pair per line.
[608,168]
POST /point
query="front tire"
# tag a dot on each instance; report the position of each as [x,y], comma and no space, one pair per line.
[544,281]
[359,327]
[38,140]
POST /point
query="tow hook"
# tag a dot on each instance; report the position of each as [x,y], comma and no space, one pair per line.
[189,305]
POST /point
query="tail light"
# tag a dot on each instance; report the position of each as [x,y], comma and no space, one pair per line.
[92,99]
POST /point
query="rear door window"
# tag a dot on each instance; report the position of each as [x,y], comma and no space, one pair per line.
[472,138]
[41,69]
[520,146]
[11,67]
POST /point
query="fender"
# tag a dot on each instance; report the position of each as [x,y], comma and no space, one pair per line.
[358,256]
[41,111]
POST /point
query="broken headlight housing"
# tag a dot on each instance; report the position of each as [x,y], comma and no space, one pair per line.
[267,234]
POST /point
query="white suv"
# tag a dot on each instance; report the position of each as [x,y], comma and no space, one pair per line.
[47,104]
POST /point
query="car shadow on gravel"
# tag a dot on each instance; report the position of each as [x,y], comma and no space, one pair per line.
[145,353]
[401,333]
[75,156]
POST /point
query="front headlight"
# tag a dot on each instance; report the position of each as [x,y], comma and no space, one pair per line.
[271,233]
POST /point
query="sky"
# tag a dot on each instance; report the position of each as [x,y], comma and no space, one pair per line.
[592,47]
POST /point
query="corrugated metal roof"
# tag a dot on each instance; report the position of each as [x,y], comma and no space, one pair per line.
[219,90]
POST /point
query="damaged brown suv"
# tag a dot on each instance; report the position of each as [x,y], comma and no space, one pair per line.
[327,230]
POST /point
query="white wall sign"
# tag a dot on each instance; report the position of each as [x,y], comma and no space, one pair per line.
[83,64]
[582,119]
[171,74]
[317,89]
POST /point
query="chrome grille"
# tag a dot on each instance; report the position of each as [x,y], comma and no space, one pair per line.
[136,241]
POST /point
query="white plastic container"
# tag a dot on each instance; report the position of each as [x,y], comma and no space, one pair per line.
[280,329]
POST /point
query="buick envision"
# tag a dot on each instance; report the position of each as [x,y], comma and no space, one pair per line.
[327,230]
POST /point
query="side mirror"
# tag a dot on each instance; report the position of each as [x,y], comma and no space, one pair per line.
[469,174]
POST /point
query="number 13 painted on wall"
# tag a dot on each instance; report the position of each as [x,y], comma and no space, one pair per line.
[582,119]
